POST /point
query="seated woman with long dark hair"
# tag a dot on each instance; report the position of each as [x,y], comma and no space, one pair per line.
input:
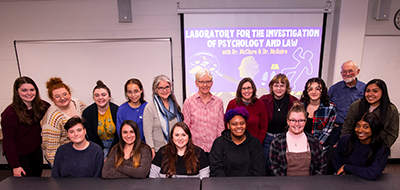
[131,157]
[180,157]
[363,153]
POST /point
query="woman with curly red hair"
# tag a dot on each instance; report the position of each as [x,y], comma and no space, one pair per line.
[62,109]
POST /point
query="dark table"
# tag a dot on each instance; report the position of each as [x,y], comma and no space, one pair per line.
[29,183]
[328,182]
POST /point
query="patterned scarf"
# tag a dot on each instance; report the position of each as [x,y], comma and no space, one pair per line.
[166,115]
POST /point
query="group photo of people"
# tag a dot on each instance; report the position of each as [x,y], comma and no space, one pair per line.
[343,129]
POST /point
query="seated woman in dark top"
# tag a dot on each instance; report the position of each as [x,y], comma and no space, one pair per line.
[236,152]
[80,157]
[180,157]
[131,157]
[363,153]
[296,153]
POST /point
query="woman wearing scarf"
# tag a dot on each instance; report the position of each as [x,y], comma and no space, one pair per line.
[160,114]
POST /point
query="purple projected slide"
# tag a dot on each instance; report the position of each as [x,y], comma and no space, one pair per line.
[260,53]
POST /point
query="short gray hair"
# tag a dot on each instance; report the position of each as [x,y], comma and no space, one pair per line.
[203,72]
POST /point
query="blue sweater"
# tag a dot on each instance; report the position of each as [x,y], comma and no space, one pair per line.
[70,162]
[125,112]
[356,162]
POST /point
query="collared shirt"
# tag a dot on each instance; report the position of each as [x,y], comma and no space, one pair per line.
[205,120]
[323,121]
[343,96]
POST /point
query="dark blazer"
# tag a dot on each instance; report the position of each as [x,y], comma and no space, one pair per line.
[90,116]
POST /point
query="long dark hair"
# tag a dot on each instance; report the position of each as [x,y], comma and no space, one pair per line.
[192,164]
[376,140]
[38,107]
[305,98]
[137,146]
[239,91]
[384,102]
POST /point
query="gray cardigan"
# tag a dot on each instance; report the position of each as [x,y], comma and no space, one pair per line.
[152,127]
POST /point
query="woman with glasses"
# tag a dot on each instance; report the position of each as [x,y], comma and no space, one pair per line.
[321,111]
[296,153]
[62,109]
[160,114]
[278,103]
[204,112]
[100,118]
[133,109]
[257,123]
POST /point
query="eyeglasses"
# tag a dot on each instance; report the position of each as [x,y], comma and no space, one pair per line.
[205,82]
[133,92]
[166,88]
[64,95]
[279,86]
[300,121]
[348,71]
[247,88]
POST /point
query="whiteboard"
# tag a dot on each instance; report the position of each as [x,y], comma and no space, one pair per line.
[80,63]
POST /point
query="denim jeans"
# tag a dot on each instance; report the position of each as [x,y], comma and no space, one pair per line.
[107,146]
[266,144]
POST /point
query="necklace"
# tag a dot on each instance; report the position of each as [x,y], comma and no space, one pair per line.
[283,101]
[292,137]
[295,143]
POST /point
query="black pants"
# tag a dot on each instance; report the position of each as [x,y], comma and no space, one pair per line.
[32,163]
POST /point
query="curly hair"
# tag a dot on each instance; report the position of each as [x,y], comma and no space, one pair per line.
[234,112]
[305,98]
[55,83]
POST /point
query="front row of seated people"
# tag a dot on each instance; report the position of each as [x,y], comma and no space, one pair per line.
[235,153]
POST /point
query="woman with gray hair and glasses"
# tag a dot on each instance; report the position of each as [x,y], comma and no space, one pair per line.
[160,114]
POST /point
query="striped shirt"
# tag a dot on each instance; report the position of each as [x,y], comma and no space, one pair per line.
[53,132]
